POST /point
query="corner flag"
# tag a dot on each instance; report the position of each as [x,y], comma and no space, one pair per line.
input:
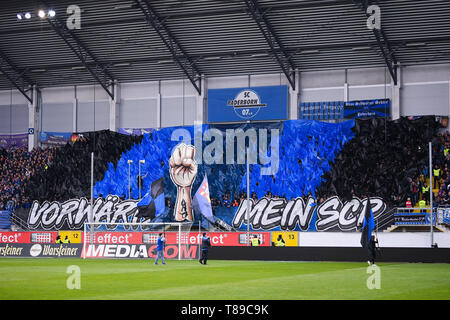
[368,225]
[202,202]
[152,204]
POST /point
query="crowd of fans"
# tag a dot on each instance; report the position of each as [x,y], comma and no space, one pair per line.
[441,171]
[419,184]
[18,166]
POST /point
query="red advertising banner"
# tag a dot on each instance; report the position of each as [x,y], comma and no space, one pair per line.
[14,237]
[105,237]
[238,238]
[138,237]
[28,237]
[191,238]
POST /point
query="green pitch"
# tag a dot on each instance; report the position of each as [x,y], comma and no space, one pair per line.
[240,280]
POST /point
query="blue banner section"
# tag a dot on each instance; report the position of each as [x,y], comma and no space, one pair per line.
[446,216]
[287,163]
[413,218]
[247,104]
[5,220]
[337,110]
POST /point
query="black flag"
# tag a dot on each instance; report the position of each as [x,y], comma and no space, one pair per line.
[152,204]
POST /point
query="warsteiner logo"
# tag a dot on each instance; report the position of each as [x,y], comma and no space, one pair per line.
[246,104]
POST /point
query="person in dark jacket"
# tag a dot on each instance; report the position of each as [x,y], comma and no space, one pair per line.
[206,244]
[373,250]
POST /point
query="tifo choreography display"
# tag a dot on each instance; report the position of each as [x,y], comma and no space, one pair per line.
[299,176]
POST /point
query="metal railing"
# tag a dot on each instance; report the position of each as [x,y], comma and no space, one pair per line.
[19,222]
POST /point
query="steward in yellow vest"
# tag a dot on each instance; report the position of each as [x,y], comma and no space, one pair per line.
[436,176]
[436,172]
[280,242]
[255,241]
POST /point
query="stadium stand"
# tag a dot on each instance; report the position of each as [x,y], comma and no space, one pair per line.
[18,166]
[441,156]
[69,175]
[372,163]
[357,158]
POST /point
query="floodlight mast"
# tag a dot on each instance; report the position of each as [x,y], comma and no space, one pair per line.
[129,178]
[140,177]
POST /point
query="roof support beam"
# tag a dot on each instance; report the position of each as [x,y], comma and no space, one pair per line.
[179,55]
[276,47]
[382,41]
[98,70]
[16,77]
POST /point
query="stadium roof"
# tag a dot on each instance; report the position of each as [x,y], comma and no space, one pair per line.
[144,40]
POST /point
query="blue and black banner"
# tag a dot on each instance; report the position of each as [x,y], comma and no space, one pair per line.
[367,109]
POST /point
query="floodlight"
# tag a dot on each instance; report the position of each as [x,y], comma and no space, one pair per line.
[27,15]
[41,14]
[51,13]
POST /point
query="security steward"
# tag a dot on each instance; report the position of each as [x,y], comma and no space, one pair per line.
[425,192]
[422,205]
[436,175]
[280,241]
[255,241]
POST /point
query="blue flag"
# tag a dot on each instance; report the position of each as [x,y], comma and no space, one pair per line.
[153,203]
[368,225]
[202,202]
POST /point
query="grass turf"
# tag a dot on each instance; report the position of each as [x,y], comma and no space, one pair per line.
[46,279]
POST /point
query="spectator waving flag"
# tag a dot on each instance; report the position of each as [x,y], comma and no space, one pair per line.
[202,202]
[152,204]
[368,225]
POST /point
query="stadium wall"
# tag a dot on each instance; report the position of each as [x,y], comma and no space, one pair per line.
[342,254]
[385,239]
